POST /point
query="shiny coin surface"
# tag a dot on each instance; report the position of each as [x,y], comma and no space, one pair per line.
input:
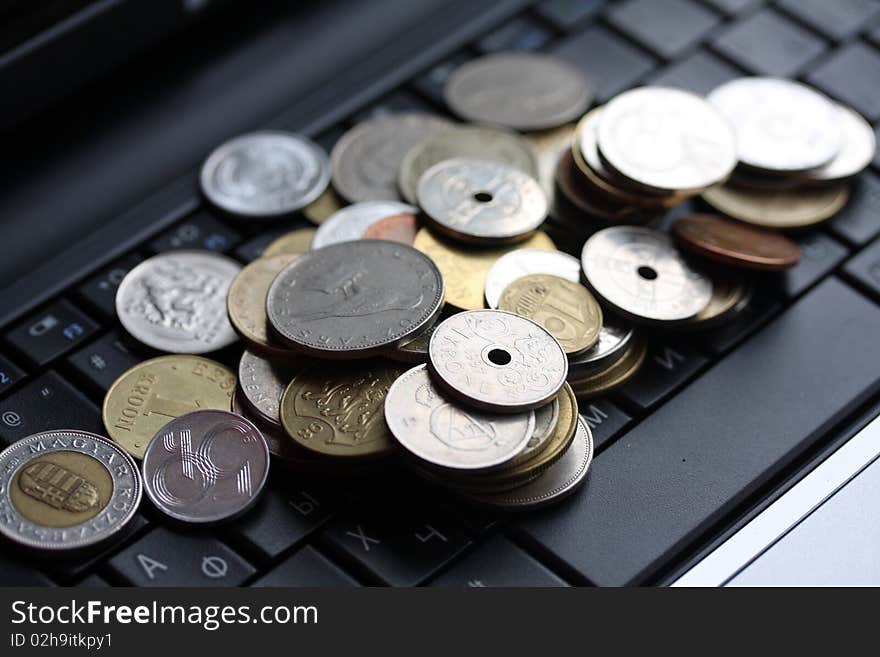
[522,262]
[482,201]
[734,243]
[396,228]
[497,360]
[295,242]
[366,159]
[858,145]
[639,272]
[666,139]
[781,126]
[66,490]
[146,397]
[319,210]
[206,467]
[351,222]
[354,299]
[586,199]
[546,421]
[602,381]
[523,91]
[265,174]
[176,302]
[614,338]
[279,443]
[729,297]
[448,435]
[262,382]
[784,208]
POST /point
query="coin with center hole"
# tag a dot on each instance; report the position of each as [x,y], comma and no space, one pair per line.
[859,143]
[522,262]
[262,382]
[614,338]
[351,222]
[783,208]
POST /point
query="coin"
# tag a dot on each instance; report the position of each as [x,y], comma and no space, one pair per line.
[414,350]
[614,338]
[784,208]
[546,423]
[66,490]
[176,302]
[319,210]
[337,409]
[354,299]
[497,361]
[262,383]
[464,141]
[262,175]
[146,397]
[396,228]
[781,126]
[447,435]
[350,223]
[206,467]
[734,243]
[522,262]
[856,151]
[548,145]
[639,272]
[729,296]
[366,159]
[482,201]
[295,242]
[618,373]
[585,198]
[523,91]
[279,443]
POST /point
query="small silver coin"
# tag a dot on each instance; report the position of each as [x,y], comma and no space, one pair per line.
[445,434]
[366,159]
[523,262]
[355,299]
[350,223]
[206,467]
[546,419]
[265,174]
[614,337]
[497,360]
[66,490]
[522,91]
[859,144]
[262,381]
[640,273]
[781,126]
[666,139]
[482,201]
[176,302]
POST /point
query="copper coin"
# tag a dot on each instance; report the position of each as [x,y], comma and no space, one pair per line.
[734,243]
[396,228]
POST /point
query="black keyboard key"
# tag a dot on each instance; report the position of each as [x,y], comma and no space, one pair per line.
[102,362]
[15,572]
[497,563]
[767,43]
[858,222]
[93,582]
[565,14]
[200,231]
[820,254]
[722,339]
[52,332]
[100,290]
[851,75]
[400,101]
[431,82]
[520,34]
[665,28]
[864,268]
[667,367]
[67,569]
[657,493]
[10,374]
[837,20]
[251,249]
[733,7]
[47,402]
[699,72]
[308,567]
[168,558]
[606,421]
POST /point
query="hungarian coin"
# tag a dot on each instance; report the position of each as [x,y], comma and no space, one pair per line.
[146,397]
[319,210]
[497,360]
[858,145]
[206,467]
[265,174]
[262,383]
[666,139]
[781,126]
[781,209]
[464,141]
[615,375]
[66,490]
[614,338]
[523,91]
[522,262]
[353,299]
[548,145]
[482,201]
[639,272]
[396,228]
[176,302]
[726,302]
[295,242]
[567,310]
[350,223]
[366,159]
[445,434]
[734,243]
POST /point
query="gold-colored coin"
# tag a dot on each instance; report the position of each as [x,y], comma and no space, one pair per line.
[729,296]
[322,207]
[566,309]
[783,208]
[338,409]
[152,393]
[296,242]
[614,376]
[464,268]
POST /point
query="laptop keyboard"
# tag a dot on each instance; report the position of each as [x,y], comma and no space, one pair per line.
[646,509]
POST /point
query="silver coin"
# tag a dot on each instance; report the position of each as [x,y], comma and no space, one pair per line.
[355,299]
[522,91]
[265,174]
[366,159]
[666,139]
[856,151]
[206,466]
[176,302]
[464,141]
[66,490]
[614,337]
[546,419]
[497,360]
[350,223]
[414,350]
[447,435]
[640,273]
[262,381]
[781,126]
[523,262]
[482,201]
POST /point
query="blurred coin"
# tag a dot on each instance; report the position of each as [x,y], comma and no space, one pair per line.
[296,242]
[603,381]
[728,297]
[262,381]
[522,262]
[66,490]
[262,175]
[858,144]
[396,228]
[786,208]
[319,210]
[580,193]
[351,222]
[614,338]
[547,146]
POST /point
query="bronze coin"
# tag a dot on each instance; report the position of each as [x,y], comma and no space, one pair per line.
[734,243]
[580,193]
[396,228]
